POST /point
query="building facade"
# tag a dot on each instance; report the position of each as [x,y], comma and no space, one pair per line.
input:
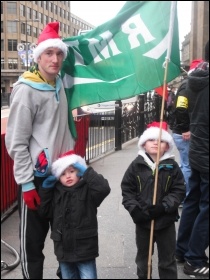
[195,41]
[21,24]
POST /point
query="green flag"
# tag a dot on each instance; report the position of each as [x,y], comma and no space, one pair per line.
[123,57]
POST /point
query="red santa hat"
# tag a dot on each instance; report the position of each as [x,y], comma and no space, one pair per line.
[49,38]
[194,64]
[64,161]
[153,131]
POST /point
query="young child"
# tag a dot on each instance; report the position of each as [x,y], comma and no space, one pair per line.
[137,191]
[72,204]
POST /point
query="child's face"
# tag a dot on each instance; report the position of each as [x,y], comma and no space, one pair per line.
[151,147]
[69,177]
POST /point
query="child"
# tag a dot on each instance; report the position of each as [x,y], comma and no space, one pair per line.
[137,191]
[72,204]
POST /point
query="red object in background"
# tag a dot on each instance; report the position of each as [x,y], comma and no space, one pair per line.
[82,126]
[159,91]
[9,188]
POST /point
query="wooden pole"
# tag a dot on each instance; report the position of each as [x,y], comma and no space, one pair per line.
[156,171]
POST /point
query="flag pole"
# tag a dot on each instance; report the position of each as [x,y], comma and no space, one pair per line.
[171,24]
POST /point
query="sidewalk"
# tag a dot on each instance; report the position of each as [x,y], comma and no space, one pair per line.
[117,247]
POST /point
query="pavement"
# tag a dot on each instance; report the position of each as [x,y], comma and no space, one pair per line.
[117,249]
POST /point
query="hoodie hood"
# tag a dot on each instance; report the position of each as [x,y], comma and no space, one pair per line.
[34,81]
[199,78]
[152,164]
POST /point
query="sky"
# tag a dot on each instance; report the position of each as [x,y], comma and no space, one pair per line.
[98,12]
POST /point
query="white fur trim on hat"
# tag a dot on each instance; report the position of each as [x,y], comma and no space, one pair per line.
[62,163]
[153,133]
[49,43]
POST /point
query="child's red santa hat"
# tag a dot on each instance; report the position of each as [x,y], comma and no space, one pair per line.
[49,38]
[153,131]
[65,161]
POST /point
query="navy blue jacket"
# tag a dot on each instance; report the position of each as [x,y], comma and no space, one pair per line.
[138,188]
[74,212]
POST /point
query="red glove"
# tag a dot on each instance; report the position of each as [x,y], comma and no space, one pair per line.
[32,199]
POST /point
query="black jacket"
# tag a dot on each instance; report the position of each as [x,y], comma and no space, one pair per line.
[74,212]
[138,187]
[198,85]
[181,119]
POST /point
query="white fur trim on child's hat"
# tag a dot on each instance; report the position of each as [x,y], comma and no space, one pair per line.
[153,133]
[65,161]
[49,38]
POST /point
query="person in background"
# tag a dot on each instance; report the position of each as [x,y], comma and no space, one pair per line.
[170,104]
[70,197]
[180,126]
[137,190]
[37,133]
[193,233]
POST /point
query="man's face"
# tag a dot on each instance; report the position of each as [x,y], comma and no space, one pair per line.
[50,62]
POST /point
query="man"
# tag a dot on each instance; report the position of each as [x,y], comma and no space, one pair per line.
[180,125]
[37,133]
[193,234]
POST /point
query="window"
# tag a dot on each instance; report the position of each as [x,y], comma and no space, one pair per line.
[35,14]
[12,45]
[29,13]
[11,8]
[51,7]
[12,63]
[23,28]
[64,27]
[2,45]
[41,17]
[29,30]
[35,32]
[22,10]
[12,26]
[55,9]
[2,63]
[74,32]
[45,19]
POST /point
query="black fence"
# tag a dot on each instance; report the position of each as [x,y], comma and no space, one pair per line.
[109,130]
